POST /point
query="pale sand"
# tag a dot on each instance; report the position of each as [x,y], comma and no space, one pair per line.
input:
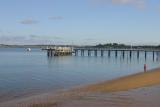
[113,93]
[138,80]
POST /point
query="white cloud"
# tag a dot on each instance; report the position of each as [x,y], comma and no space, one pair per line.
[28,21]
[30,39]
[56,18]
[136,3]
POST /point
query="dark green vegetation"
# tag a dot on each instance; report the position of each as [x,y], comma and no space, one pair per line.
[116,45]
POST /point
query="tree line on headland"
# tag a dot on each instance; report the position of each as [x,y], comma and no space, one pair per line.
[116,45]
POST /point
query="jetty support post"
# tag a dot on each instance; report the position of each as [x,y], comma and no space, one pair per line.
[76,52]
[123,53]
[89,52]
[153,55]
[82,52]
[145,55]
[48,53]
[95,52]
[130,54]
[138,54]
[116,53]
[102,52]
[109,53]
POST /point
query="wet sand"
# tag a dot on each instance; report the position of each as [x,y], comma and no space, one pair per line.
[138,90]
[138,80]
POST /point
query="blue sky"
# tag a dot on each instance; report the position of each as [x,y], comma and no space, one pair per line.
[79,21]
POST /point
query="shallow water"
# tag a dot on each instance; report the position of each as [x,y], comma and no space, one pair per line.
[23,73]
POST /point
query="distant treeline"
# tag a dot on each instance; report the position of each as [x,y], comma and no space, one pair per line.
[116,45]
[107,45]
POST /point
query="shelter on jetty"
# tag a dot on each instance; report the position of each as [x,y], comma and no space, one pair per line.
[59,51]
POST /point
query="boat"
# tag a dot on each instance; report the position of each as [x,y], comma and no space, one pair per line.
[28,49]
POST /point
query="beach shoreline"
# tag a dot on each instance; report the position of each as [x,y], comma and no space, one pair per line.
[79,95]
[133,81]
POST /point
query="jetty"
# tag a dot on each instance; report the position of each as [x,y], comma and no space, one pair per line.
[91,51]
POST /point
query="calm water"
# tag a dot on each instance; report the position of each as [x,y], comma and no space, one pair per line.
[23,72]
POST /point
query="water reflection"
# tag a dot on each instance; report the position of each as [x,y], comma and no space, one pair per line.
[113,61]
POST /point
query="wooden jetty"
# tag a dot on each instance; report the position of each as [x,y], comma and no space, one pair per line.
[61,51]
[94,52]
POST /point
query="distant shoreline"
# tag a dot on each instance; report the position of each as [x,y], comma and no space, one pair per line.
[107,45]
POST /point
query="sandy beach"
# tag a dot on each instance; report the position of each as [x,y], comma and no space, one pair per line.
[138,90]
[138,80]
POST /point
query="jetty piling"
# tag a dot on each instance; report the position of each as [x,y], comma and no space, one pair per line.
[153,56]
[123,54]
[109,53]
[116,53]
[145,55]
[95,52]
[89,53]
[102,52]
[137,54]
[82,52]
